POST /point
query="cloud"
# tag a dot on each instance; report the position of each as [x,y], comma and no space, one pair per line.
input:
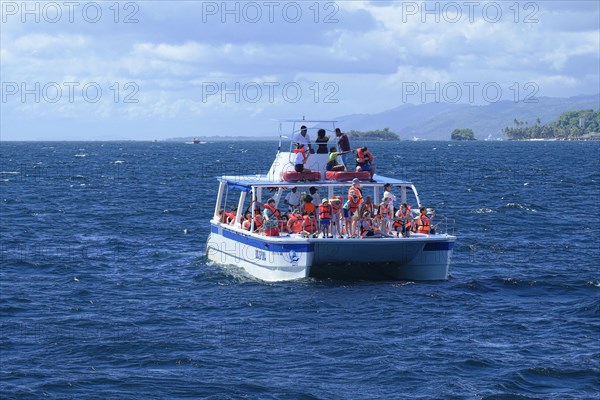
[361,54]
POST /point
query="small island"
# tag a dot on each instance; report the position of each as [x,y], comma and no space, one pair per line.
[462,134]
[570,125]
[378,134]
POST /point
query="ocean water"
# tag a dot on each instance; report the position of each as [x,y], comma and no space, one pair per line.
[105,290]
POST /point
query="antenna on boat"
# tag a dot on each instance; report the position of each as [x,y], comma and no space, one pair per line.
[280,136]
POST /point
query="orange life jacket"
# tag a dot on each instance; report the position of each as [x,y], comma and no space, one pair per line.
[310,225]
[363,157]
[246,224]
[230,216]
[424,223]
[366,226]
[296,223]
[325,211]
[368,207]
[273,210]
[354,205]
[407,220]
[385,210]
[309,208]
[356,192]
[334,208]
[257,223]
[296,151]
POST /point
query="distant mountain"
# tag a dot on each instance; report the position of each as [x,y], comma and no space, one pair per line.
[436,121]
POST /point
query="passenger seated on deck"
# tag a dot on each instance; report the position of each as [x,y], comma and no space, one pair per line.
[367,226]
[367,205]
[309,225]
[423,221]
[403,222]
[283,224]
[365,161]
[295,223]
[221,215]
[271,216]
[258,222]
[246,221]
[230,216]
[300,158]
[332,162]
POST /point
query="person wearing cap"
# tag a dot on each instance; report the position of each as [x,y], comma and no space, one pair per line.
[343,144]
[351,215]
[304,138]
[292,199]
[325,212]
[355,190]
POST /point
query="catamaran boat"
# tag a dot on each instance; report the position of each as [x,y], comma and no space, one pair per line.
[289,256]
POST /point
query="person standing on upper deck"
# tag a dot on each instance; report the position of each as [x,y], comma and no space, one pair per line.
[304,138]
[343,145]
[321,141]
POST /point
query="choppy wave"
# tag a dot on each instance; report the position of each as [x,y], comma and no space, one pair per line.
[105,287]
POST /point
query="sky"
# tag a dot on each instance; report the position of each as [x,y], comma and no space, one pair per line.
[147,70]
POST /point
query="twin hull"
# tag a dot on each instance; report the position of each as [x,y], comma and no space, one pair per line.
[420,257]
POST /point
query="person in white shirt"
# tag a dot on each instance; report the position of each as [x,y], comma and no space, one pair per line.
[315,195]
[304,138]
[300,159]
[292,199]
[387,192]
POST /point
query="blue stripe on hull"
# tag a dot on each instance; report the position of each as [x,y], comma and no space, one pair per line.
[262,244]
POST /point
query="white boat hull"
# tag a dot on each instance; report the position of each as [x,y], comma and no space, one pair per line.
[420,257]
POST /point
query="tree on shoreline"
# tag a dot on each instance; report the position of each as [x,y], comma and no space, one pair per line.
[577,124]
[377,134]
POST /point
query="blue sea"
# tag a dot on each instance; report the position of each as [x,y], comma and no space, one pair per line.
[106,292]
